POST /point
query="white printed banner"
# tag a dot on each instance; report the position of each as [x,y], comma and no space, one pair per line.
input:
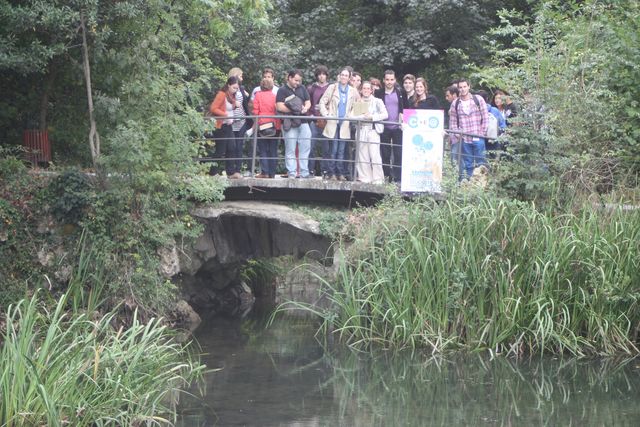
[422,150]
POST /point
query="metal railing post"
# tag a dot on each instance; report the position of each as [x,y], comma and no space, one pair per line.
[255,145]
[354,170]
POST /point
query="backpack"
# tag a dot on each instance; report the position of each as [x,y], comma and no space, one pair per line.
[492,125]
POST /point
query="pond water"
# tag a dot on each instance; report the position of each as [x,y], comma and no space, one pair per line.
[281,376]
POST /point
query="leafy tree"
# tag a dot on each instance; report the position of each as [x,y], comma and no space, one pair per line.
[151,65]
[572,65]
[405,35]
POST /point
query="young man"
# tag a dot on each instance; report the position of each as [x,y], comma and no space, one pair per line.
[451,94]
[316,90]
[293,99]
[356,80]
[469,114]
[409,86]
[267,73]
[391,139]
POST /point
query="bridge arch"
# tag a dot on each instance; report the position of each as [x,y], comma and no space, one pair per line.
[235,232]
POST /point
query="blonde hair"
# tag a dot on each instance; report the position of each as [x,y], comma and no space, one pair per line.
[235,72]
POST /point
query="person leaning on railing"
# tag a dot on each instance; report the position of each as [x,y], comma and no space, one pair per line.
[264,104]
[222,107]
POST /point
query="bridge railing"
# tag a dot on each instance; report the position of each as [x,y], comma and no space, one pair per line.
[352,148]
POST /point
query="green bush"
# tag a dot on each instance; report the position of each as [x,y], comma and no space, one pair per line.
[71,195]
[570,68]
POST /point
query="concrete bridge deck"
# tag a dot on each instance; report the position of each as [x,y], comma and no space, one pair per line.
[346,193]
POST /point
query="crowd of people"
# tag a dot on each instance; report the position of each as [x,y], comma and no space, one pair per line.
[319,124]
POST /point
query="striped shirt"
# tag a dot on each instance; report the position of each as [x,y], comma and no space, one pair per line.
[238,113]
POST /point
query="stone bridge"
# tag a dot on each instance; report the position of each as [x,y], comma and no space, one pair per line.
[251,225]
[234,232]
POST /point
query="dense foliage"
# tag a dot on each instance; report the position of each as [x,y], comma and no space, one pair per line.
[150,70]
[408,36]
[572,67]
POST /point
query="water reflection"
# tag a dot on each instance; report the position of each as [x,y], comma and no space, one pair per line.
[281,377]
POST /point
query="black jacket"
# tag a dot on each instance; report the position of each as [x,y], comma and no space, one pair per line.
[429,103]
[402,96]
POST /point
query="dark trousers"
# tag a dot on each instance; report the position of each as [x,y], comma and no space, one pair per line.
[223,137]
[391,143]
[234,152]
[268,148]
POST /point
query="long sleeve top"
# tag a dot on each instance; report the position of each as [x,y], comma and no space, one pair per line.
[472,118]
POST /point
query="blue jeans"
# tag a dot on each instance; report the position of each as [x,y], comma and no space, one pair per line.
[268,149]
[300,137]
[335,163]
[473,155]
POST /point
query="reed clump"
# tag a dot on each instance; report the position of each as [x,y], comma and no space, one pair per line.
[72,367]
[490,274]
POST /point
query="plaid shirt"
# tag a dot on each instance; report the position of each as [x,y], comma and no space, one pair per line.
[475,122]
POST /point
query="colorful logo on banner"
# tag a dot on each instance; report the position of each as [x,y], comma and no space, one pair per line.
[422,150]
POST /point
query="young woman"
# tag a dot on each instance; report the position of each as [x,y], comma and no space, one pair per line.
[264,104]
[338,101]
[369,161]
[222,107]
[503,103]
[422,100]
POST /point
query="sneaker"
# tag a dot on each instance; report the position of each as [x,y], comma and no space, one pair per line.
[291,176]
[333,178]
[262,176]
[342,178]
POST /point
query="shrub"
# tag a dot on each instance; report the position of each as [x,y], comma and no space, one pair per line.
[570,67]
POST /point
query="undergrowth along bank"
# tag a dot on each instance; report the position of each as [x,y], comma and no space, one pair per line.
[489,274]
[72,367]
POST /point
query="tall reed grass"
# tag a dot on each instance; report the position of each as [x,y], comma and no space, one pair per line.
[61,367]
[490,274]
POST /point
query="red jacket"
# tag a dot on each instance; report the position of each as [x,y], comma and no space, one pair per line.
[264,104]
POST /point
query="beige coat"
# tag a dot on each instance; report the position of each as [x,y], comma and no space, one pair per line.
[329,108]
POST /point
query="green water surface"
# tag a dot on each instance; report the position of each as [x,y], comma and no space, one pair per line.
[281,376]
